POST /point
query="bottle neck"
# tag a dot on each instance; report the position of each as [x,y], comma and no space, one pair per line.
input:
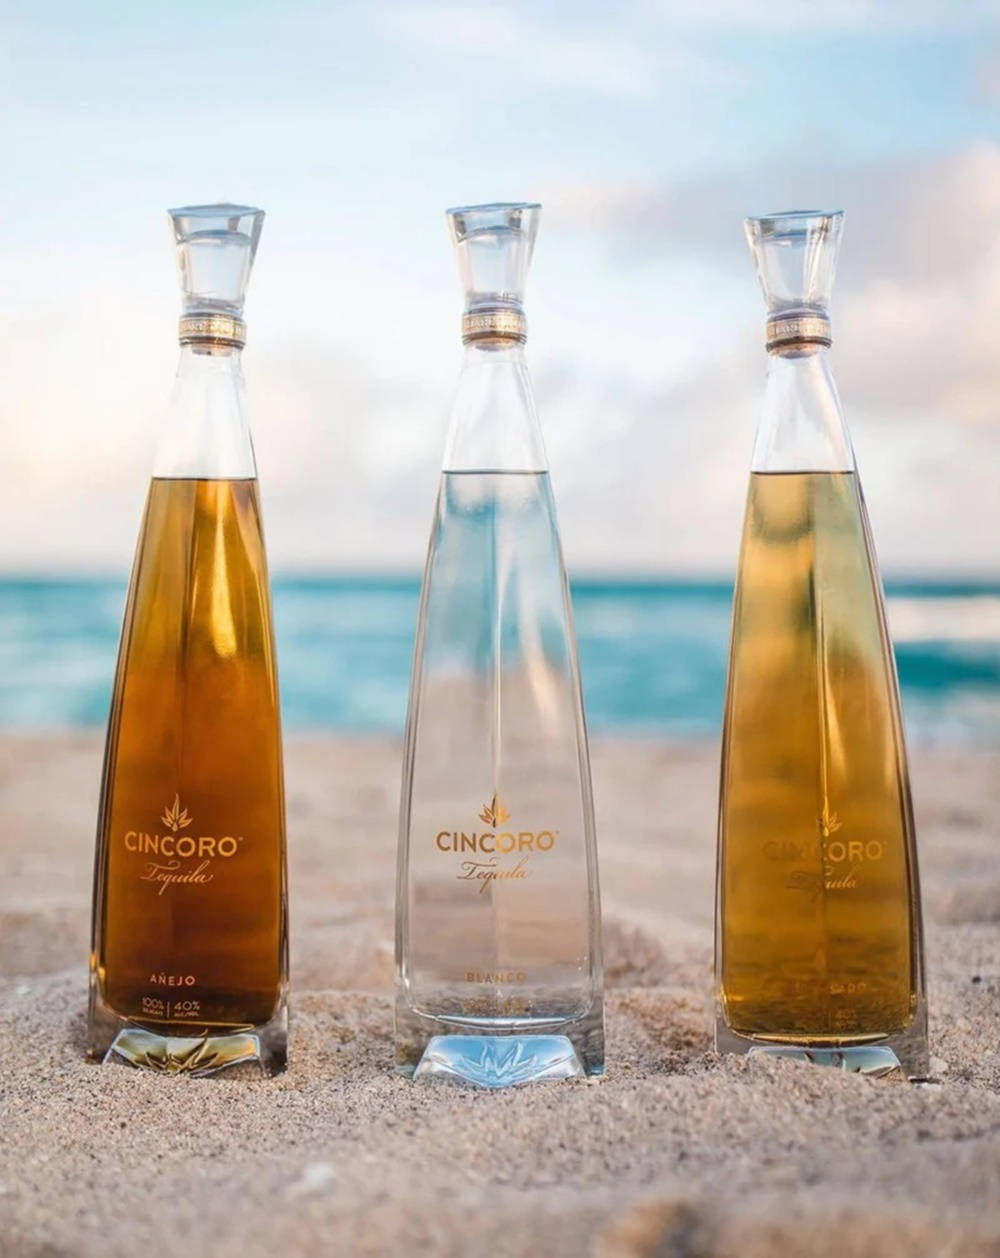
[802,427]
[207,434]
[494,426]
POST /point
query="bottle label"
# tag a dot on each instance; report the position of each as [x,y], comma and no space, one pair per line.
[844,859]
[494,325]
[179,856]
[793,330]
[212,329]
[166,1007]
[498,854]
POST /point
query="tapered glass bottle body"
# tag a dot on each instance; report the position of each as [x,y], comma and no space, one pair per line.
[498,943]
[818,947]
[189,959]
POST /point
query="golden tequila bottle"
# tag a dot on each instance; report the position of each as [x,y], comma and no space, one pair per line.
[189,956]
[818,939]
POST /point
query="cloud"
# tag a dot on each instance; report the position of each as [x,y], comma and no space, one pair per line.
[649,466]
[646,477]
[986,81]
[612,58]
[895,17]
[916,305]
[898,214]
[649,445]
[646,328]
[349,454]
[916,313]
[467,26]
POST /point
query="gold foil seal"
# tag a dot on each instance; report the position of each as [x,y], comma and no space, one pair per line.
[212,329]
[798,330]
[494,325]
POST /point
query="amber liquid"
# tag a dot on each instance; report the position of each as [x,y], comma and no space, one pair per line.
[190,916]
[817,884]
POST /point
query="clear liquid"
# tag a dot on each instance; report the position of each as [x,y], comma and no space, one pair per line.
[818,910]
[189,911]
[498,893]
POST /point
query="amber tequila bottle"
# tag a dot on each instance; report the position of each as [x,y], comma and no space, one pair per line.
[498,918]
[818,940]
[189,954]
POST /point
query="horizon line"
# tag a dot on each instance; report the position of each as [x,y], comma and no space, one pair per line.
[643,578]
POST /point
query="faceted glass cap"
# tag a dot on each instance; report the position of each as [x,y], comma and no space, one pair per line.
[494,244]
[216,245]
[796,256]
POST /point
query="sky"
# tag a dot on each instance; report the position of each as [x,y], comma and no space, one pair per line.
[647,129]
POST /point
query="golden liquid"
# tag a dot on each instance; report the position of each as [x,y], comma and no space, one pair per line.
[817,883]
[194,719]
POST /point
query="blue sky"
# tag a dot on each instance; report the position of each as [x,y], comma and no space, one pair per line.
[647,129]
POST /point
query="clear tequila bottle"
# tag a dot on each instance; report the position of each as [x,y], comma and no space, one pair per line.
[189,958]
[819,950]
[498,916]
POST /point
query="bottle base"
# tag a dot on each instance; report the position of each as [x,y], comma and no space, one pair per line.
[498,1055]
[903,1054]
[497,1061]
[112,1038]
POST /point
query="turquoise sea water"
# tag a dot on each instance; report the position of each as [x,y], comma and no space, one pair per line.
[653,654]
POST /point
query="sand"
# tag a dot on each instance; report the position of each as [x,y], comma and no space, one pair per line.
[676,1152]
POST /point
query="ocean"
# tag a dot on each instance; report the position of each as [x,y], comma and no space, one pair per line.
[652,654]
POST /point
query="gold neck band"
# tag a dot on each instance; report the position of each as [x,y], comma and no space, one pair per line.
[212,329]
[494,325]
[797,330]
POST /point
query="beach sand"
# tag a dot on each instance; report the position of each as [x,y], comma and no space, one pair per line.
[676,1152]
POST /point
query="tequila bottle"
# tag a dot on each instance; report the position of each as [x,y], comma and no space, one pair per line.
[819,949]
[189,957]
[498,916]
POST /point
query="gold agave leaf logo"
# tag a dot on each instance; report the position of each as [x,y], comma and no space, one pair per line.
[829,823]
[494,813]
[176,817]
